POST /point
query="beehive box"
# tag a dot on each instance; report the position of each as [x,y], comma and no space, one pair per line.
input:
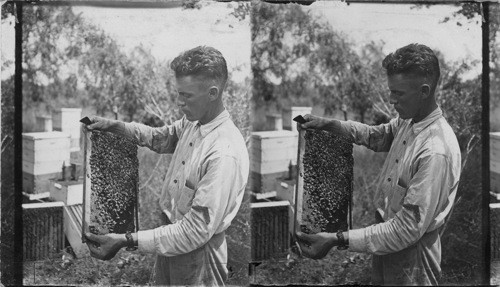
[290,113]
[70,192]
[495,162]
[270,235]
[44,123]
[43,235]
[111,184]
[73,229]
[495,231]
[68,120]
[271,153]
[324,184]
[44,154]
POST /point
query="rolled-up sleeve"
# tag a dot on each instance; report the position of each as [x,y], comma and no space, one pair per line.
[216,200]
[377,138]
[427,196]
[161,139]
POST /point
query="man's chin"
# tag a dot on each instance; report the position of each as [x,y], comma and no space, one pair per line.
[403,117]
[190,118]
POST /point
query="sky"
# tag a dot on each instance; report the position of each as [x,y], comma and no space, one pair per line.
[167,32]
[398,25]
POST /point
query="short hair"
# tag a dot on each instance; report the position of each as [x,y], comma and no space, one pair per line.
[414,59]
[202,61]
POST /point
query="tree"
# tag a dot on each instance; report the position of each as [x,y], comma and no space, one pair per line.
[294,55]
[71,62]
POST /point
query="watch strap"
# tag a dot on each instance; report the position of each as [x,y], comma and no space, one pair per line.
[131,246]
[341,240]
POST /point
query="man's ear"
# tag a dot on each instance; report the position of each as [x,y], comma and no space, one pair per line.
[213,93]
[426,91]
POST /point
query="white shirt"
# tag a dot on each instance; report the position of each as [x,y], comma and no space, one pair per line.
[418,182]
[204,184]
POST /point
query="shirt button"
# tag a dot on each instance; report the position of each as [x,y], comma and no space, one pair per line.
[175,180]
[389,179]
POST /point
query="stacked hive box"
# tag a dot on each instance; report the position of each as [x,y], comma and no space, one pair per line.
[327,167]
[43,124]
[68,120]
[112,176]
[495,162]
[495,231]
[290,113]
[43,235]
[70,192]
[270,236]
[271,154]
[73,228]
[43,157]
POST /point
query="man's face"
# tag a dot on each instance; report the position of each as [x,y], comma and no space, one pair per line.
[193,97]
[406,95]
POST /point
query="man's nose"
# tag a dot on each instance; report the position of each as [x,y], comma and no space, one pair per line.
[180,101]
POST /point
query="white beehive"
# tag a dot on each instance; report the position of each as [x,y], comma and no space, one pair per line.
[44,154]
[68,120]
[70,191]
[292,112]
[272,151]
[43,124]
[271,154]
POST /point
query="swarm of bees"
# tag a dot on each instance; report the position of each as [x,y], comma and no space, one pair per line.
[114,172]
[328,176]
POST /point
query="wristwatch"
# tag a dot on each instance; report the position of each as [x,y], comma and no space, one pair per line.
[131,246]
[343,244]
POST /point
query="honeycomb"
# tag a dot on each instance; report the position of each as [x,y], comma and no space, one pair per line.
[114,176]
[328,176]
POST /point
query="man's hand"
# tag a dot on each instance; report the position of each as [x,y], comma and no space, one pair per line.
[315,123]
[101,124]
[316,246]
[105,247]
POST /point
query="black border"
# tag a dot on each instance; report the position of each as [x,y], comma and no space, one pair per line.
[12,274]
[485,133]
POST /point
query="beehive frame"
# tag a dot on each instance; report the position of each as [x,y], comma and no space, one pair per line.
[111,184]
[323,195]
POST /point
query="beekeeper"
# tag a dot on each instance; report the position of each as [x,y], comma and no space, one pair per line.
[204,184]
[418,181]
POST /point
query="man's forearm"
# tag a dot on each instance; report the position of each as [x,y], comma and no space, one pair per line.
[333,126]
[119,128]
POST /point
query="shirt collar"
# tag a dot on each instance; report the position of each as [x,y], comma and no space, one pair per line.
[432,117]
[210,126]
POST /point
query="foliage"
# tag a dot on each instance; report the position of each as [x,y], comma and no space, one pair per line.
[337,268]
[90,271]
[236,100]
[294,54]
[463,229]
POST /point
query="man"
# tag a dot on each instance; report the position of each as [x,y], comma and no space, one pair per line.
[205,182]
[418,181]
